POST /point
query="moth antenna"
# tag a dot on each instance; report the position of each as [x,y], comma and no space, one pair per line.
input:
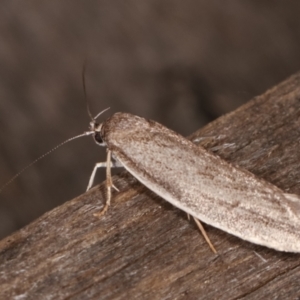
[42,156]
[84,91]
[101,112]
[86,98]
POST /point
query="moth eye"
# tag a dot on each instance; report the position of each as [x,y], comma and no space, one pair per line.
[98,138]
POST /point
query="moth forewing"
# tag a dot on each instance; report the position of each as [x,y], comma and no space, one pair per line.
[202,184]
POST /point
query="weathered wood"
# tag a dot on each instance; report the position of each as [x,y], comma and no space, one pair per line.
[144,248]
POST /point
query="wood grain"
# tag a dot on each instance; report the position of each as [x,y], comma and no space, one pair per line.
[144,248]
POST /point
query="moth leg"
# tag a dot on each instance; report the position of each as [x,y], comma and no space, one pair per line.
[115,187]
[114,164]
[97,166]
[201,228]
[109,185]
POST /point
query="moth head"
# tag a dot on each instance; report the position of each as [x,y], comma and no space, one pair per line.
[95,128]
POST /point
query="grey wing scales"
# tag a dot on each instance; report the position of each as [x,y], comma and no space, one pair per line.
[210,189]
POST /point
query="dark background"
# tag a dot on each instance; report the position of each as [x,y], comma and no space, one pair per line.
[182,63]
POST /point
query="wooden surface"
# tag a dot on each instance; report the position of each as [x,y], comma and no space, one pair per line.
[144,248]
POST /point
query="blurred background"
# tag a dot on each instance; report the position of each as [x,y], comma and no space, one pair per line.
[182,63]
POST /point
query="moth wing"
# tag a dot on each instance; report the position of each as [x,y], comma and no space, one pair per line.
[293,201]
[210,189]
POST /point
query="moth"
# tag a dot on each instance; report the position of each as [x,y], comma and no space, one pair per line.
[198,182]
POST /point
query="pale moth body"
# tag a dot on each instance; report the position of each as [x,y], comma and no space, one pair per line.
[201,183]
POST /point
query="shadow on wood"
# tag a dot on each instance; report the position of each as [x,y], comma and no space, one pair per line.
[144,248]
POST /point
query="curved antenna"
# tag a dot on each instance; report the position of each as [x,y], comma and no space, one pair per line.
[42,156]
[66,141]
[84,90]
[100,113]
[85,96]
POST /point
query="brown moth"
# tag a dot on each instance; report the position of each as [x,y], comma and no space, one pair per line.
[199,182]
